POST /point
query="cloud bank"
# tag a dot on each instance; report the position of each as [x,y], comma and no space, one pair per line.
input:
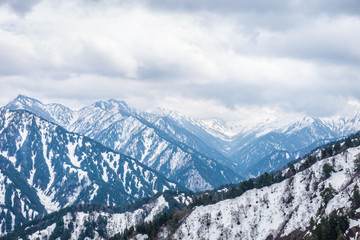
[204,58]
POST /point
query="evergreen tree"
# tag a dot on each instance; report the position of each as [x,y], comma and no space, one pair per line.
[327,169]
[357,163]
[337,147]
[323,154]
[348,142]
[331,227]
[292,168]
[356,199]
[329,151]
[327,194]
[312,222]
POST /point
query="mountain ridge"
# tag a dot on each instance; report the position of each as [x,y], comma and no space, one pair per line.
[249,150]
[124,129]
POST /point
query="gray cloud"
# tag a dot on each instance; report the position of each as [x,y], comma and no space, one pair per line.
[260,7]
[223,6]
[19,6]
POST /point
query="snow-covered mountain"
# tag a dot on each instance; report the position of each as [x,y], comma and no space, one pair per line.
[124,129]
[53,112]
[269,147]
[179,146]
[289,138]
[215,144]
[44,168]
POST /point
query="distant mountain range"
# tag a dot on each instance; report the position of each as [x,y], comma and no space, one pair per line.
[253,148]
[199,154]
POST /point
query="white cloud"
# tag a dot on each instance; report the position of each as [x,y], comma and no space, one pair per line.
[290,57]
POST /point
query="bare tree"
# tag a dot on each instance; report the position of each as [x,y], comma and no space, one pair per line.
[243,210]
[236,213]
[198,233]
[180,234]
[227,233]
[239,235]
[187,226]
[345,153]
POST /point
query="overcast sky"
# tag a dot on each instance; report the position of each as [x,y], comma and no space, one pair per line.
[229,59]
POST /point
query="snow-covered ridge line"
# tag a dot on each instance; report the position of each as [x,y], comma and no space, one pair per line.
[94,222]
[247,147]
[160,144]
[227,129]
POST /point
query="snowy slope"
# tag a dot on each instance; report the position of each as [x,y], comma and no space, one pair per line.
[58,168]
[18,202]
[114,222]
[94,222]
[280,209]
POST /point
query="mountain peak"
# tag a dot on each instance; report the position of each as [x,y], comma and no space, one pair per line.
[112,104]
[52,112]
[22,100]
